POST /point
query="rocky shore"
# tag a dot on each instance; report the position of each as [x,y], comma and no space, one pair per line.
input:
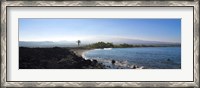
[108,64]
[54,58]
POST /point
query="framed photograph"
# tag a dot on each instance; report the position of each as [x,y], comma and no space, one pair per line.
[99,44]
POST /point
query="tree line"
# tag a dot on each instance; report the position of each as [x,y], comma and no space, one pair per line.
[124,45]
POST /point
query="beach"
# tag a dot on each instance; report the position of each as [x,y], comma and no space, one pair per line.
[79,52]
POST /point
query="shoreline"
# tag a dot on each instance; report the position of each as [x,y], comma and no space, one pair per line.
[107,63]
[70,58]
[80,52]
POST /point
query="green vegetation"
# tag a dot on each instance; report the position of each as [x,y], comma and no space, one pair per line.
[101,45]
[125,45]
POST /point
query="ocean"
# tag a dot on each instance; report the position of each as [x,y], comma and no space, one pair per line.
[140,57]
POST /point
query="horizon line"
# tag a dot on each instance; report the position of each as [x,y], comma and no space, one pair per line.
[93,42]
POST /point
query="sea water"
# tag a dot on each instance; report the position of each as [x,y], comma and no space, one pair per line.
[141,57]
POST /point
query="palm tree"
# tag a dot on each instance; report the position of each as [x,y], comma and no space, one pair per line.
[78,42]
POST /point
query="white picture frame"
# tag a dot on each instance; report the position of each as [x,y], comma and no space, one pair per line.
[5,20]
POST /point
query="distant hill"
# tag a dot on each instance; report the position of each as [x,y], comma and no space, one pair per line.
[130,41]
[74,44]
[46,44]
[135,41]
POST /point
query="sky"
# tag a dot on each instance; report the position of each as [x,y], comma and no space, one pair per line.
[89,29]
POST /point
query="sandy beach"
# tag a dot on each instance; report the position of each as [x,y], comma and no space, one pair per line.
[79,52]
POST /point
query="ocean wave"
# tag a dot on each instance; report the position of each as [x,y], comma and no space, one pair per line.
[107,48]
[83,54]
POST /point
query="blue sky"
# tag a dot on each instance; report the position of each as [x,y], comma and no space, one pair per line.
[164,30]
